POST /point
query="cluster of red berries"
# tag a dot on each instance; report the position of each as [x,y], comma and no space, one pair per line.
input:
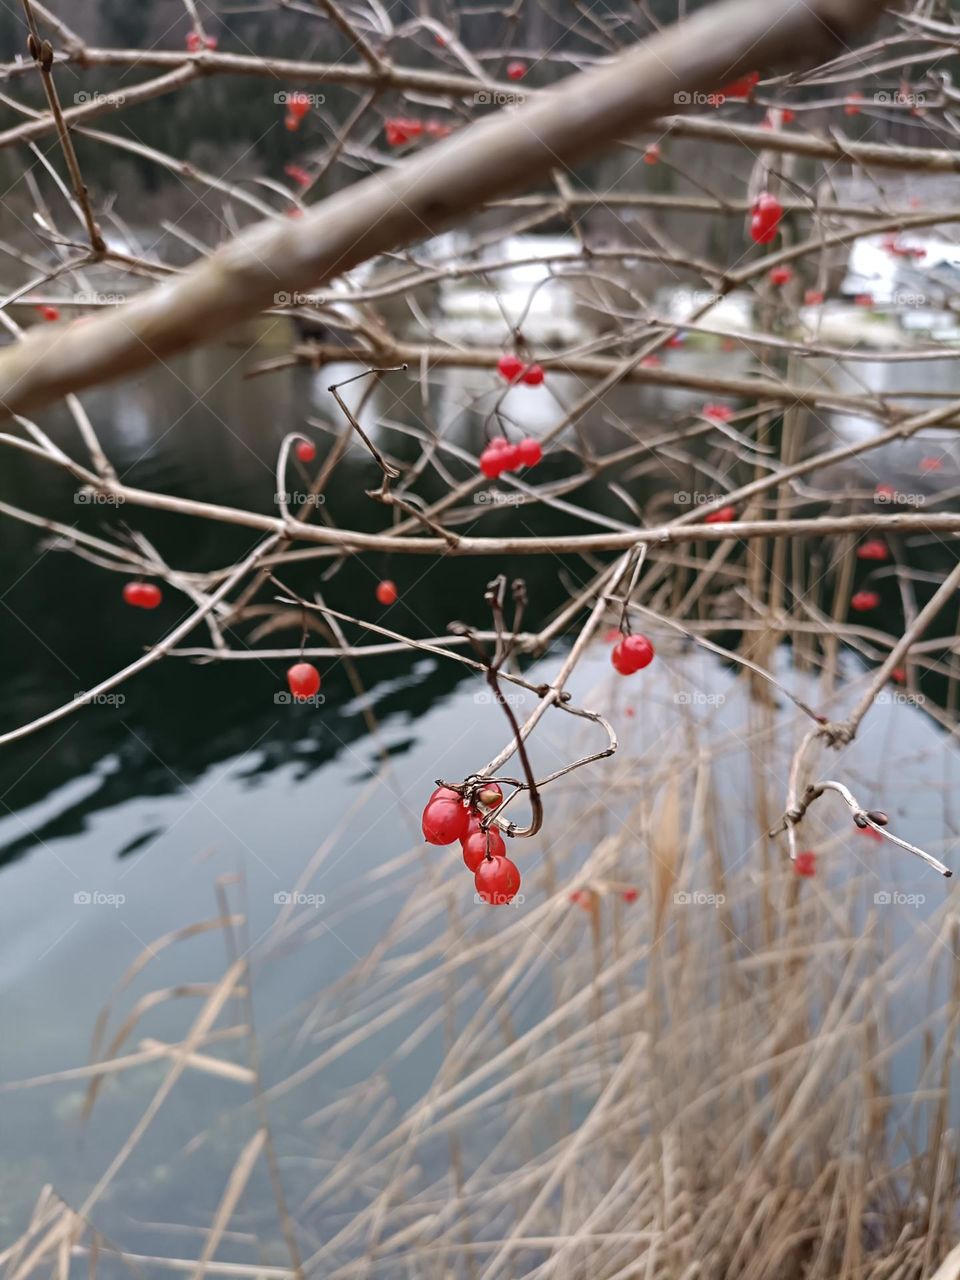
[142,595]
[873,549]
[48,312]
[399,130]
[196,42]
[303,680]
[500,455]
[765,218]
[298,104]
[864,601]
[631,654]
[447,818]
[513,369]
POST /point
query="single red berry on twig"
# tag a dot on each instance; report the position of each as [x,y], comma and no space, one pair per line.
[931,464]
[444,818]
[387,592]
[497,881]
[48,313]
[516,70]
[722,515]
[780,275]
[765,218]
[303,679]
[805,863]
[305,450]
[142,595]
[532,375]
[873,549]
[717,412]
[651,154]
[530,452]
[479,844]
[510,367]
[864,601]
[851,104]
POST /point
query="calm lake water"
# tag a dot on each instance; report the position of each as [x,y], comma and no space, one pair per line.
[200,772]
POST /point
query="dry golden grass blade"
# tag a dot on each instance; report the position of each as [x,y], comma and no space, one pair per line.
[203,1062]
[232,1193]
[667,844]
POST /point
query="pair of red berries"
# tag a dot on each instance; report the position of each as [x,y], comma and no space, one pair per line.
[864,601]
[196,42]
[873,549]
[500,455]
[513,369]
[142,595]
[400,130]
[765,218]
[631,654]
[446,818]
[303,680]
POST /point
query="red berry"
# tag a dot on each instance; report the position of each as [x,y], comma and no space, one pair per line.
[444,821]
[193,42]
[633,653]
[510,367]
[533,375]
[516,70]
[884,493]
[387,592]
[931,464]
[863,601]
[717,412]
[497,881]
[765,218]
[291,122]
[722,515]
[652,153]
[437,129]
[400,130]
[870,832]
[676,340]
[298,104]
[446,793]
[49,313]
[490,463]
[303,679]
[651,362]
[813,298]
[805,863]
[780,275]
[899,675]
[789,116]
[299,175]
[530,451]
[490,796]
[508,457]
[212,42]
[630,895]
[481,843]
[305,450]
[852,104]
[864,300]
[142,595]
[743,87]
[873,549]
